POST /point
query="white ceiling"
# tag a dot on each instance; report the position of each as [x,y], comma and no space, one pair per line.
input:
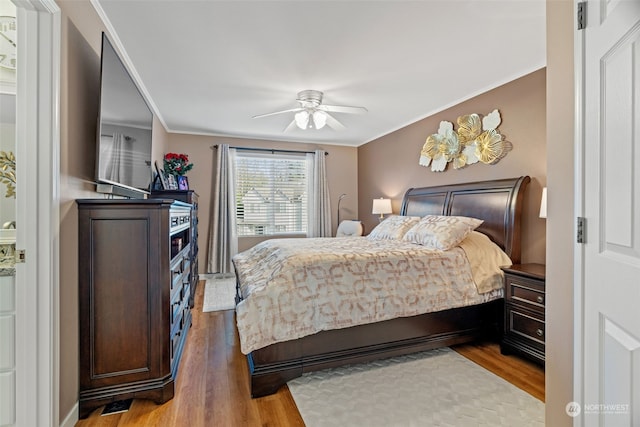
[207,67]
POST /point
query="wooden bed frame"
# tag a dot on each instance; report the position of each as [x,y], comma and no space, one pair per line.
[499,204]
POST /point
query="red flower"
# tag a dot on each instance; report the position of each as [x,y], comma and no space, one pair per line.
[177,164]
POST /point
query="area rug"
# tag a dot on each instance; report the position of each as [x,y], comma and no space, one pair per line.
[219,294]
[433,388]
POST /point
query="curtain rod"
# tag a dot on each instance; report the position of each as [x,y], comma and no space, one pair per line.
[272,150]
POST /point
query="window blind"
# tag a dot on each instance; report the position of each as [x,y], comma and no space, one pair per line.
[271,193]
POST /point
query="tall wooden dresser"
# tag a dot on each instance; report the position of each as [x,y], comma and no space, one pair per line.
[134,291]
[191,197]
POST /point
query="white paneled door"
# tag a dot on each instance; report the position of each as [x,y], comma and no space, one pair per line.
[609,329]
[8,302]
[29,289]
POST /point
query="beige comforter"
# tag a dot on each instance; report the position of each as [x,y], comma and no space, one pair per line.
[297,287]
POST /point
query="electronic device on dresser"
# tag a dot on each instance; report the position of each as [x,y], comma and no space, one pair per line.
[134,291]
[524,315]
[190,197]
[125,127]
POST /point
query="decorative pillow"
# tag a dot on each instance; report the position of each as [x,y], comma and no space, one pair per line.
[393,227]
[441,232]
[349,228]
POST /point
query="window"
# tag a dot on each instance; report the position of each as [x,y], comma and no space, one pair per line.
[271,193]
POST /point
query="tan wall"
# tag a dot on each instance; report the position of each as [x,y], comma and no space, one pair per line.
[341,169]
[389,165]
[79,95]
[79,91]
[561,216]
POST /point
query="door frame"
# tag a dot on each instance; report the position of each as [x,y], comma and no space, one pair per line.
[579,211]
[38,186]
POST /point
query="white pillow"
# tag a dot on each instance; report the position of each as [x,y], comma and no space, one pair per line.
[393,227]
[349,228]
[441,232]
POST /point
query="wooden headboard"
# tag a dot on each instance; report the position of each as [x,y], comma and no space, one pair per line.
[498,203]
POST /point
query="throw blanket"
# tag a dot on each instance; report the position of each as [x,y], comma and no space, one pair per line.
[296,287]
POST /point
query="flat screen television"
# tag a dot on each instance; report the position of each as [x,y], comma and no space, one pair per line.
[125,122]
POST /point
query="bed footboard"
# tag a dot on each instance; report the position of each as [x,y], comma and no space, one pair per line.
[271,367]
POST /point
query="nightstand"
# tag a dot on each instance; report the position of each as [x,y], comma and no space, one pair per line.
[524,317]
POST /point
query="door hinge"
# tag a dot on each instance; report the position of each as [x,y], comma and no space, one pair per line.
[581,230]
[582,15]
[20,256]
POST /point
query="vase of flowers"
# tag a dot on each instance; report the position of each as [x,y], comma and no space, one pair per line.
[176,164]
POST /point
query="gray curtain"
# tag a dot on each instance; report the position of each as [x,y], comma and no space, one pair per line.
[223,238]
[319,204]
[115,167]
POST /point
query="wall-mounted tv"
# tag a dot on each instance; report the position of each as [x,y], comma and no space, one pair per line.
[125,122]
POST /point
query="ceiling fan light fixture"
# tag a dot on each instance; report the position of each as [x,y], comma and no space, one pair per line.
[313,114]
[319,119]
[302,119]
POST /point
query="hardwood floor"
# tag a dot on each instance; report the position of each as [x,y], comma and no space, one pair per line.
[212,387]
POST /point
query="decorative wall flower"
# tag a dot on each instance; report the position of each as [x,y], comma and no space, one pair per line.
[477,139]
[489,147]
[440,148]
[469,127]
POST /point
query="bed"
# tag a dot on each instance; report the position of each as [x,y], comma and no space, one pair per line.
[497,203]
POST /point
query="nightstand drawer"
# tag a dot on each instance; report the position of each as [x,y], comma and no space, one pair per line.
[521,290]
[525,325]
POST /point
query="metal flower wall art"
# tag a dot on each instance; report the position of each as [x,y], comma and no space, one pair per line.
[477,139]
[8,172]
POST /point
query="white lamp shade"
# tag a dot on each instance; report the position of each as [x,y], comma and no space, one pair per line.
[319,119]
[543,203]
[381,206]
[302,119]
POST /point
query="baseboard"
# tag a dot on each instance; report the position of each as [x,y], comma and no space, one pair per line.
[72,417]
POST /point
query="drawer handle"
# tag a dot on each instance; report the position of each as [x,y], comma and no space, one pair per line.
[540,332]
[540,299]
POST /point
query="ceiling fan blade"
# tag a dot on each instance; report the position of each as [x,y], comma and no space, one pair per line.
[334,124]
[291,126]
[291,110]
[342,109]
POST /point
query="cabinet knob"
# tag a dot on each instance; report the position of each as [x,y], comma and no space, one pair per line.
[540,299]
[540,332]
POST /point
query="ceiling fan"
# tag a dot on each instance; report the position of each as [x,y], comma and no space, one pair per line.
[313,114]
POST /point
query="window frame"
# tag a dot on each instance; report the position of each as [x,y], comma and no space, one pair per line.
[273,207]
